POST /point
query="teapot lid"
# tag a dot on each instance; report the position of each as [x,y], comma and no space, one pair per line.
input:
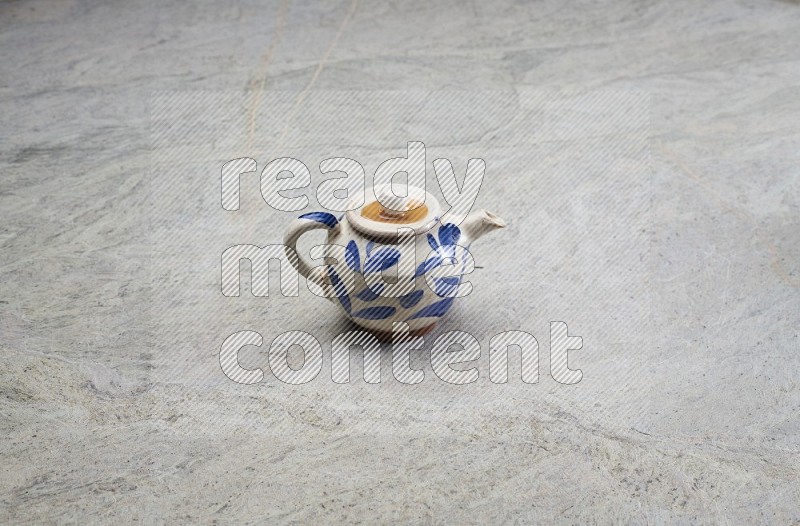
[418,210]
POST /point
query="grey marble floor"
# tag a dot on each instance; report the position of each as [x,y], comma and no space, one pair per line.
[692,417]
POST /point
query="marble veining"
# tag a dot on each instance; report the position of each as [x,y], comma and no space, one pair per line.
[100,423]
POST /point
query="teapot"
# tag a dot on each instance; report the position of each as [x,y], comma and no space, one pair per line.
[405,238]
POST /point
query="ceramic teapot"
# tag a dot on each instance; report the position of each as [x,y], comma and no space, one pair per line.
[391,260]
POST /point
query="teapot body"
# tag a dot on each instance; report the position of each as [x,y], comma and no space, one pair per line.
[381,273]
[377,282]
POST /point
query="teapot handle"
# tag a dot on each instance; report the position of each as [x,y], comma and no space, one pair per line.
[315,274]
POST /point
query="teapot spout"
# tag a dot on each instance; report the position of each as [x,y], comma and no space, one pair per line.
[481,222]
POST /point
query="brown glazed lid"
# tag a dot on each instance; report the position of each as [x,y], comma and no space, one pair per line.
[418,210]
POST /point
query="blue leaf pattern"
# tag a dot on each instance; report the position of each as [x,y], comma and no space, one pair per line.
[429,264]
[435,310]
[339,289]
[375,313]
[352,258]
[449,234]
[432,242]
[445,287]
[381,259]
[378,258]
[409,300]
[325,218]
[370,295]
